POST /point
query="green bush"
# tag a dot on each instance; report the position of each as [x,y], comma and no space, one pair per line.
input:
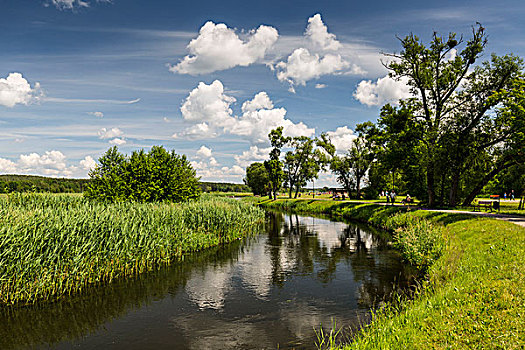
[143,177]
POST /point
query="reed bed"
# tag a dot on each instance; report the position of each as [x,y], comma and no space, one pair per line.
[56,245]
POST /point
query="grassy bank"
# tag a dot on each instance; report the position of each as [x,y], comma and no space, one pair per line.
[473,294]
[56,245]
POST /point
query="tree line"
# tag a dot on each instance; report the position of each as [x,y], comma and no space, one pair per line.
[461,133]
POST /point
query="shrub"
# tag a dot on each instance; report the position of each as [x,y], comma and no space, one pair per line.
[143,177]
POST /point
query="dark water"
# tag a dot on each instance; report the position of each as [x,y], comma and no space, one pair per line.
[266,292]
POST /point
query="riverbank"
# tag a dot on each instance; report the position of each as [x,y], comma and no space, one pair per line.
[52,246]
[473,294]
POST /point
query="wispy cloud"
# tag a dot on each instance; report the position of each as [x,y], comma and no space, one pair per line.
[84,100]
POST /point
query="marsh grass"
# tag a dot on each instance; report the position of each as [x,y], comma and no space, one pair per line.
[56,245]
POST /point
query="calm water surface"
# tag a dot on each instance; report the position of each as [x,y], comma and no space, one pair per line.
[265,292]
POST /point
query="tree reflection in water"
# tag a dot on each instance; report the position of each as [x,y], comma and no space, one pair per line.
[269,289]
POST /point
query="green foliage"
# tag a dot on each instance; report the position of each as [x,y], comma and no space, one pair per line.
[29,183]
[155,176]
[420,242]
[461,127]
[274,166]
[257,178]
[352,167]
[55,245]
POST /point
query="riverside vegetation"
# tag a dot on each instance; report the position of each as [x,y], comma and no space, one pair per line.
[52,246]
[472,294]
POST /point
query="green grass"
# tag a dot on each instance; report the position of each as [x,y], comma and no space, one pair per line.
[56,245]
[472,295]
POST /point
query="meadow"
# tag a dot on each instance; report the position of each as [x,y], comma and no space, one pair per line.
[53,246]
[472,293]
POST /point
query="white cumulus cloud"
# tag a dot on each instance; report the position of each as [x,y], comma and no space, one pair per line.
[254,154]
[302,66]
[88,163]
[111,133]
[204,152]
[218,47]
[15,89]
[7,166]
[118,141]
[317,33]
[50,163]
[383,90]
[209,109]
[342,138]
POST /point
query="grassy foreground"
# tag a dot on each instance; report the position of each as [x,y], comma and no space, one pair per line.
[56,245]
[473,295]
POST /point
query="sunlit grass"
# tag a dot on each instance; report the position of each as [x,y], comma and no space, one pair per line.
[473,292]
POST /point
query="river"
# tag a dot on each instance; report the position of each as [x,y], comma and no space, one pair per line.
[268,291]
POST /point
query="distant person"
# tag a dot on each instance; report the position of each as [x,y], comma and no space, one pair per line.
[393,197]
[505,196]
[512,195]
[387,197]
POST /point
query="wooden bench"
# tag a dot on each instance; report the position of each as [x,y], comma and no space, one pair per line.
[486,205]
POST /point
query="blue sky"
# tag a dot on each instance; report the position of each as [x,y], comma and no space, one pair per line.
[207,79]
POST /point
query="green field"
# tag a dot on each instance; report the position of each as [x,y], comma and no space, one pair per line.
[55,245]
[471,296]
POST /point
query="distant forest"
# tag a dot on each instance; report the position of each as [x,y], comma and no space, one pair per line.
[30,183]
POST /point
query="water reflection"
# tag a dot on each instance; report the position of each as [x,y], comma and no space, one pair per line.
[270,290]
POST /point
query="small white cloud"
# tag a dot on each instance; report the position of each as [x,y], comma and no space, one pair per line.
[254,154]
[218,47]
[69,4]
[15,89]
[213,161]
[383,90]
[320,86]
[342,138]
[317,33]
[117,141]
[111,133]
[96,114]
[260,101]
[204,152]
[302,66]
[88,163]
[234,170]
[451,55]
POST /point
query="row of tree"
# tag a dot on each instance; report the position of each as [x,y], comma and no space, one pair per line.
[462,129]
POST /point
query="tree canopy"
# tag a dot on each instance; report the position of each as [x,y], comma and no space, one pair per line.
[461,127]
[157,175]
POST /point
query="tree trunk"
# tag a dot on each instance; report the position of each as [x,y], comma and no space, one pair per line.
[503,165]
[358,187]
[430,185]
[454,189]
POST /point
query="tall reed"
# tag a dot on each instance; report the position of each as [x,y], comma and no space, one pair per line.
[56,245]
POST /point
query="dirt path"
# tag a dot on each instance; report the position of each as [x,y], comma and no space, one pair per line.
[518,220]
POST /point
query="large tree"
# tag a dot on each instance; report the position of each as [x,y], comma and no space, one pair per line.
[452,100]
[306,158]
[274,166]
[352,167]
[257,179]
